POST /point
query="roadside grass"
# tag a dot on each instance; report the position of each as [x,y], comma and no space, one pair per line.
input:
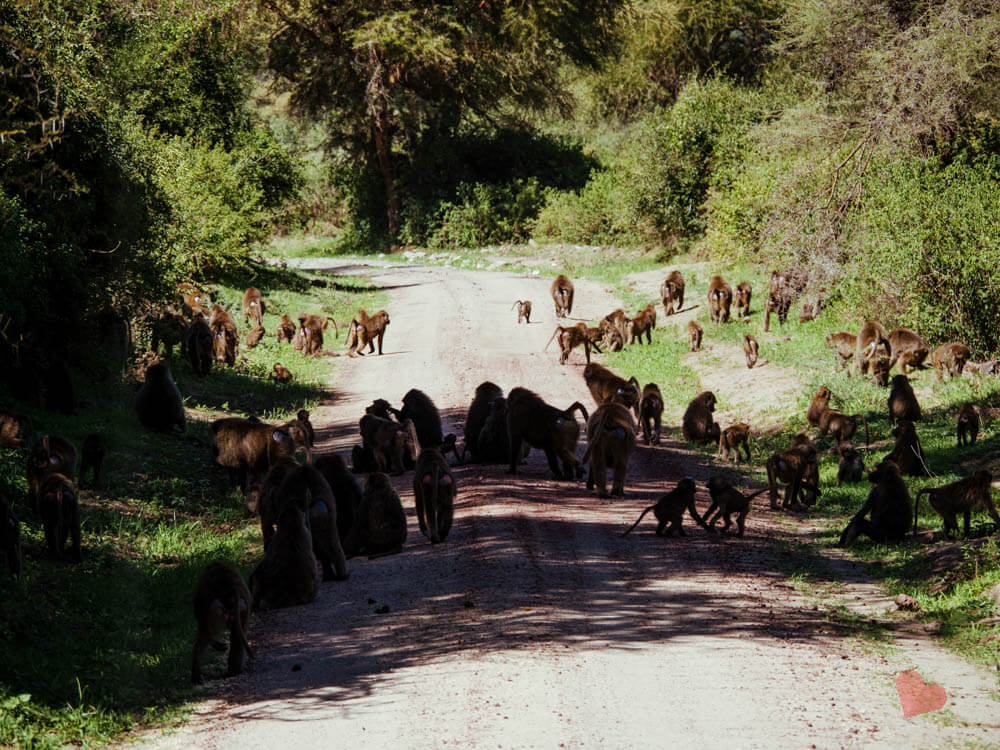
[90,651]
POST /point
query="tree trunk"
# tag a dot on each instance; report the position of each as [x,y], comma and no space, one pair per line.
[382,132]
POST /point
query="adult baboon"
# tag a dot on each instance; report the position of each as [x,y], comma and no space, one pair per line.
[167,326]
[15,430]
[225,336]
[247,447]
[494,446]
[820,403]
[809,488]
[672,293]
[750,350]
[950,357]
[254,336]
[543,426]
[850,465]
[968,424]
[418,408]
[92,458]
[651,413]
[963,497]
[889,505]
[200,346]
[842,426]
[60,511]
[902,400]
[616,320]
[221,602]
[606,387]
[382,408]
[389,442]
[523,311]
[307,487]
[287,575]
[698,426]
[562,296]
[844,345]
[280,374]
[610,442]
[434,490]
[158,404]
[606,338]
[907,453]
[727,500]
[345,487]
[10,537]
[310,333]
[253,307]
[907,348]
[741,299]
[363,460]
[475,417]
[695,332]
[571,337]
[873,351]
[380,525]
[263,497]
[730,440]
[642,324]
[365,330]
[789,468]
[194,298]
[670,508]
[52,454]
[286,330]
[720,299]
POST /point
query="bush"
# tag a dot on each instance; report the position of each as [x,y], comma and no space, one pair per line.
[488,214]
[600,213]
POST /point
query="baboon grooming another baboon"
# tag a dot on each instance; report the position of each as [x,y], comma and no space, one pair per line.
[253,306]
[907,453]
[730,440]
[380,525]
[889,505]
[287,574]
[750,350]
[741,299]
[543,426]
[651,413]
[672,293]
[571,337]
[60,511]
[92,458]
[950,357]
[907,348]
[963,497]
[695,332]
[221,602]
[475,417]
[562,296]
[389,442]
[850,465]
[844,345]
[610,442]
[52,454]
[720,299]
[670,508]
[280,374]
[873,351]
[698,426]
[158,404]
[10,537]
[968,424]
[789,468]
[727,500]
[606,387]
[434,491]
[200,346]
[419,409]
[523,311]
[225,336]
[902,400]
[285,330]
[365,330]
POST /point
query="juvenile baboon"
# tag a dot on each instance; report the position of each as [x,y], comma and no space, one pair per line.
[562,296]
[253,306]
[571,337]
[434,490]
[158,404]
[907,453]
[695,332]
[698,426]
[60,513]
[523,311]
[810,311]
[221,602]
[963,497]
[672,293]
[225,337]
[605,386]
[610,442]
[307,488]
[789,468]
[254,336]
[642,324]
[844,345]
[850,465]
[968,424]
[741,299]
[727,500]
[310,333]
[92,458]
[750,350]
[52,454]
[15,430]
[286,330]
[346,490]
[889,505]
[730,440]
[842,426]
[10,537]
[902,400]
[908,349]
[476,416]
[419,409]
[365,330]
[543,426]
[670,508]
[651,413]
[820,403]
[247,447]
[873,351]
[280,374]
[287,575]
[380,525]
[950,357]
[200,346]
[720,299]
[389,442]
[782,289]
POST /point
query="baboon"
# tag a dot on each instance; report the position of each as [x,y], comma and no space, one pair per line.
[698,426]
[52,454]
[346,490]
[610,442]
[651,413]
[642,324]
[608,339]
[992,367]
[672,293]
[365,330]
[194,298]
[389,442]
[844,345]
[950,357]
[254,336]
[810,311]
[286,330]
[523,311]
[434,491]
[727,500]
[908,349]
[741,299]
[819,404]
[221,602]
[695,332]
[225,337]
[730,440]
[287,574]
[889,505]
[263,497]
[280,374]
[167,327]
[782,289]
[310,332]
[60,513]
[720,298]
[15,430]
[307,488]
[606,387]
[158,404]
[670,508]
[789,468]
[873,350]
[494,446]
[380,525]
[650,310]
[617,321]
[809,488]
[907,454]
[963,497]
[10,537]
[850,465]
[902,400]
[302,433]
[200,346]
[247,447]
[253,306]
[571,337]
[92,458]
[475,417]
[419,409]
[363,460]
[543,426]
[841,426]
[562,296]
[968,424]
[382,408]
[750,350]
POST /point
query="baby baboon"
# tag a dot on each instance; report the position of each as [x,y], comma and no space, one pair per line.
[643,323]
[670,508]
[419,409]
[200,346]
[389,442]
[750,350]
[727,500]
[606,387]
[889,505]
[720,299]
[434,491]
[280,374]
[244,447]
[158,404]
[225,336]
[15,430]
[380,525]
[850,466]
[950,357]
[610,442]
[841,426]
[873,351]
[789,468]
[52,454]
[672,293]
[221,602]
[695,332]
[651,413]
[10,537]
[562,296]
[253,306]
[963,497]
[254,336]
[346,490]
[287,574]
[902,400]
[844,345]
[571,337]
[819,404]
[365,330]
[698,426]
[968,424]
[475,417]
[523,311]
[732,438]
[286,330]
[543,426]
[741,299]
[60,512]
[907,453]
[907,348]
[92,458]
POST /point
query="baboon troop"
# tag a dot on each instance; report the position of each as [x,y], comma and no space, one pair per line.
[844,345]
[562,296]
[365,330]
[741,300]
[158,404]
[720,299]
[968,424]
[732,439]
[906,454]
[475,417]
[651,413]
[672,293]
[610,442]
[221,602]
[902,400]
[59,510]
[750,350]
[92,458]
[523,311]
[963,497]
[698,425]
[434,495]
[850,465]
[789,468]
[200,345]
[380,523]
[607,387]
[225,336]
[727,500]
[873,351]
[253,307]
[889,505]
[547,427]
[669,510]
[695,332]
[908,349]
[950,358]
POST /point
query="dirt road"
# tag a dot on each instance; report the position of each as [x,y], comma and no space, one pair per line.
[536,624]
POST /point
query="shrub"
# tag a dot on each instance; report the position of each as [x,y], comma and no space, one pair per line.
[488,214]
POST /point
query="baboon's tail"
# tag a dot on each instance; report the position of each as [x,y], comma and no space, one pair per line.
[638,519]
[916,506]
[546,347]
[577,405]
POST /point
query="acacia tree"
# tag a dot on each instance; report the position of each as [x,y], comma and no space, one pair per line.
[389,77]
